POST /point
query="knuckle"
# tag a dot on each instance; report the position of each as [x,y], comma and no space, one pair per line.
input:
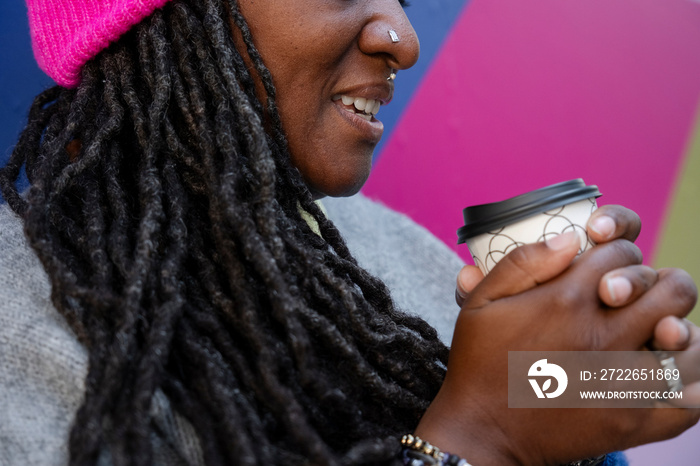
[618,253]
[681,288]
[568,297]
[520,256]
[629,251]
[596,341]
[520,260]
[647,277]
[642,277]
[627,423]
[596,338]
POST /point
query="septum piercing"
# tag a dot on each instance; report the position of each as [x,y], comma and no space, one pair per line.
[392,76]
[394,36]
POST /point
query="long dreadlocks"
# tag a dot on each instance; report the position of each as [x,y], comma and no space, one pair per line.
[165,209]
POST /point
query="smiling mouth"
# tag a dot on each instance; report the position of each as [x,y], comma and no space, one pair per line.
[364,108]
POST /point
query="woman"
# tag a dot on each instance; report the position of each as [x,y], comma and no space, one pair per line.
[173,176]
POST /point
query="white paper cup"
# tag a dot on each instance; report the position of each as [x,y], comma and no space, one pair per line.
[493,230]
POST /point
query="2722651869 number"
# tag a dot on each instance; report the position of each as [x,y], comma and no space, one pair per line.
[639,374]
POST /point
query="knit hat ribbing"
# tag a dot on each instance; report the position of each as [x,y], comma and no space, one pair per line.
[66,34]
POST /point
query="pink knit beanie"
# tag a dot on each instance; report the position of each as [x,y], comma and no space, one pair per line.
[68,33]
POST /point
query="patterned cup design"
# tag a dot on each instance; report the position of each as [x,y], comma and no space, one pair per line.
[489,248]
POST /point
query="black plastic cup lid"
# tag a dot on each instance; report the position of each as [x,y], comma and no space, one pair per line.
[483,218]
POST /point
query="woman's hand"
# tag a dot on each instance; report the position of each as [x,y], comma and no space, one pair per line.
[606,224]
[539,298]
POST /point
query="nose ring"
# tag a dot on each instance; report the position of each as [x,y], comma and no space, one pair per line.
[392,76]
[394,36]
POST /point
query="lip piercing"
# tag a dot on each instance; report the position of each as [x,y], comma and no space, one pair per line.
[392,76]
[394,36]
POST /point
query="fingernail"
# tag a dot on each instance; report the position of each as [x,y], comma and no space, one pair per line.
[562,241]
[620,289]
[683,333]
[460,292]
[603,225]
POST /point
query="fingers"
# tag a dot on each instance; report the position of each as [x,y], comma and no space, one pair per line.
[623,286]
[674,334]
[674,294]
[467,279]
[526,267]
[611,222]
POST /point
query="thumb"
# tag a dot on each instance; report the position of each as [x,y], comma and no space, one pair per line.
[526,267]
[467,279]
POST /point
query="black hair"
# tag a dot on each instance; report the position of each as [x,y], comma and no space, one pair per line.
[165,209]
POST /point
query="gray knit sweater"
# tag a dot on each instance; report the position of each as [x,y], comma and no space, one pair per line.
[43,367]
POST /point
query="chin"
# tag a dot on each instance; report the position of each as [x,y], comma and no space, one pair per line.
[338,188]
[336,174]
[345,192]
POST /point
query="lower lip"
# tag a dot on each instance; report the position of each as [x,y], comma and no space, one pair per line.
[371,131]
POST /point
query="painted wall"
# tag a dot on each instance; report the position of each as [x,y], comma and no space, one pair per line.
[512,95]
[527,94]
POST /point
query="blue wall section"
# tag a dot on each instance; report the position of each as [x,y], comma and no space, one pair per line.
[432,20]
[20,77]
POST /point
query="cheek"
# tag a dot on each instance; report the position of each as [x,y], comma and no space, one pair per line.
[332,159]
[330,162]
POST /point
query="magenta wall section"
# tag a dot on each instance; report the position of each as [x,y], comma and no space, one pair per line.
[526,94]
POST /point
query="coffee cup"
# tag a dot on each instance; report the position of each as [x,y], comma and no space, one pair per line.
[493,230]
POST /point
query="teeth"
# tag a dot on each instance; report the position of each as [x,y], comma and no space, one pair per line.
[366,108]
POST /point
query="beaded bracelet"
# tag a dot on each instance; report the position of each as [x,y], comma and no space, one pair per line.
[418,452]
[590,461]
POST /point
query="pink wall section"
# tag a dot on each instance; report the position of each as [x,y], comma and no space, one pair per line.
[526,94]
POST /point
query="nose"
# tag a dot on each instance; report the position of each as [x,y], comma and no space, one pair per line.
[388,32]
